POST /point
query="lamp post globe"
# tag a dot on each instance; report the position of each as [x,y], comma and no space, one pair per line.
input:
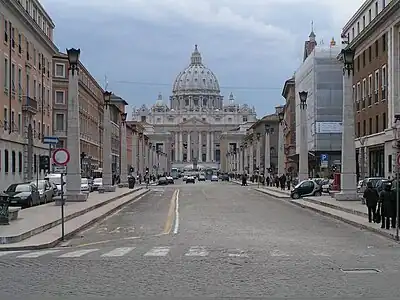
[73,56]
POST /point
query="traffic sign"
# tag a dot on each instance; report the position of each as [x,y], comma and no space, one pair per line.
[52,140]
[324,157]
[60,169]
[61,157]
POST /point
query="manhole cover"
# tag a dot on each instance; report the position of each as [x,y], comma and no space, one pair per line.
[361,271]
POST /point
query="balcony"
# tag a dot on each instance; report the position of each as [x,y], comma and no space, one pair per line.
[30,105]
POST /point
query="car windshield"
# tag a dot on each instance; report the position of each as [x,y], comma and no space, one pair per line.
[300,183]
[98,180]
[84,181]
[19,188]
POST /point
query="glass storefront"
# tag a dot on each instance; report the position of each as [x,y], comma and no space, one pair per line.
[377,162]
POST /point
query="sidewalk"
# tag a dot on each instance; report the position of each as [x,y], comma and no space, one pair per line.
[351,212]
[40,226]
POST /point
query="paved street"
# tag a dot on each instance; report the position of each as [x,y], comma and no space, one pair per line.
[221,240]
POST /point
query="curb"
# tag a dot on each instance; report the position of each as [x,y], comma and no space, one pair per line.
[42,228]
[272,195]
[353,223]
[77,230]
[344,209]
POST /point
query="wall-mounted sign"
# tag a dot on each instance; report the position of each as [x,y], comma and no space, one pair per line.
[329,127]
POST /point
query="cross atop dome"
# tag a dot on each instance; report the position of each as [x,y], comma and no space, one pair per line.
[196,57]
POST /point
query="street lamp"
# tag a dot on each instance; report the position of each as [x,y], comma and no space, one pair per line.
[397,120]
[123,117]
[73,59]
[348,60]
[107,162]
[107,98]
[281,116]
[303,99]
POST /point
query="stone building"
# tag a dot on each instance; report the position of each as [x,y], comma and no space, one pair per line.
[189,129]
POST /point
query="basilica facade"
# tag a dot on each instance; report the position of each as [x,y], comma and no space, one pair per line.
[190,126]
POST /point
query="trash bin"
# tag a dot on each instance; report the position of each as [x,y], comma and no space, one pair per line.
[131,182]
[4,204]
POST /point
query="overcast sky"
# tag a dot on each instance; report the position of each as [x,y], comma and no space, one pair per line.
[252,46]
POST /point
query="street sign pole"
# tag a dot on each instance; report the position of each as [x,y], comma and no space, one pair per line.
[62,208]
[397,193]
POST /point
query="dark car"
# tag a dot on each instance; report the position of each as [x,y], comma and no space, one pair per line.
[306,188]
[162,181]
[190,179]
[202,177]
[170,180]
[23,194]
[225,177]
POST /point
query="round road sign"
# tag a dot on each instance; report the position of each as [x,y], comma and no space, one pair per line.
[61,157]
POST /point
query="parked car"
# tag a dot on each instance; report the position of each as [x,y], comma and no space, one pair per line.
[97,183]
[190,179]
[214,178]
[306,188]
[85,186]
[162,181]
[184,177]
[327,186]
[23,194]
[46,192]
[170,180]
[202,177]
[225,177]
[373,180]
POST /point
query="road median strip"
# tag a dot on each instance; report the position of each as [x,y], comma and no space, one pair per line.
[170,216]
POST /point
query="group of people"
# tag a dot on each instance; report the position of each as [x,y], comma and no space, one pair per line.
[282,181]
[382,208]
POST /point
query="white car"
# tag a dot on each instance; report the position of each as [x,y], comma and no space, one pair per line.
[214,178]
[85,187]
[97,183]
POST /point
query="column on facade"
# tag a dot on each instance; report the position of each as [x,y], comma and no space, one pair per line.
[212,136]
[124,161]
[145,155]
[140,154]
[251,157]
[189,149]
[240,158]
[258,154]
[267,152]
[107,156]
[176,146]
[180,150]
[236,164]
[208,158]
[134,151]
[200,147]
[281,149]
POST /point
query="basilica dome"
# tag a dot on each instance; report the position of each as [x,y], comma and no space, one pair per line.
[196,78]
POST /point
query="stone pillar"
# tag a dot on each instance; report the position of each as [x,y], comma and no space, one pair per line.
[251,157]
[348,177]
[124,163]
[180,146]
[281,150]
[200,148]
[246,159]
[141,154]
[134,151]
[258,155]
[176,147]
[208,158]
[73,186]
[212,146]
[107,158]
[240,160]
[267,154]
[303,155]
[189,149]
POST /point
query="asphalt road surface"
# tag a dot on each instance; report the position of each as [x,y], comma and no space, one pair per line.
[208,240]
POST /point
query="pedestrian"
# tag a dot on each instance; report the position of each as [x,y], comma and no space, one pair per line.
[386,199]
[282,181]
[371,197]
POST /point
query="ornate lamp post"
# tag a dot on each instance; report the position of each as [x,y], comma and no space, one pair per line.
[303,155]
[348,176]
[107,161]
[267,153]
[281,151]
[124,162]
[73,186]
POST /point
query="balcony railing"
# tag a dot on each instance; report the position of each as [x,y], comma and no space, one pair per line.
[30,105]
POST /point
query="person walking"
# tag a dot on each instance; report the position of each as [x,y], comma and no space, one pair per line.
[386,199]
[371,197]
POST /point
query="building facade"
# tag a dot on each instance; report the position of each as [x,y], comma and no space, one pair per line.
[373,32]
[195,118]
[291,158]
[26,52]
[90,112]
[321,76]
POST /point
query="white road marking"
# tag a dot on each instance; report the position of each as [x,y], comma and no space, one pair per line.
[158,251]
[37,253]
[78,253]
[279,253]
[176,226]
[118,252]
[197,251]
[317,253]
[238,254]
[116,230]
[3,253]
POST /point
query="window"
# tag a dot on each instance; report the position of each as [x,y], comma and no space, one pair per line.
[354,94]
[370,54]
[376,81]
[384,121]
[370,84]
[376,48]
[60,70]
[370,125]
[28,83]
[6,31]
[358,91]
[19,123]
[244,119]
[352,31]
[34,89]
[5,118]
[376,8]
[390,162]
[363,59]
[358,129]
[363,22]
[6,74]
[6,162]
[364,127]
[20,82]
[376,123]
[48,130]
[39,128]
[384,42]
[12,124]
[369,16]
[13,77]
[19,43]
[60,97]
[383,79]
[358,27]
[19,162]
[13,161]
[364,89]
[60,122]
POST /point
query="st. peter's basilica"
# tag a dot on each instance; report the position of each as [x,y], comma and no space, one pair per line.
[195,117]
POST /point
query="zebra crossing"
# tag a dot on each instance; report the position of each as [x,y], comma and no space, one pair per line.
[171,251]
